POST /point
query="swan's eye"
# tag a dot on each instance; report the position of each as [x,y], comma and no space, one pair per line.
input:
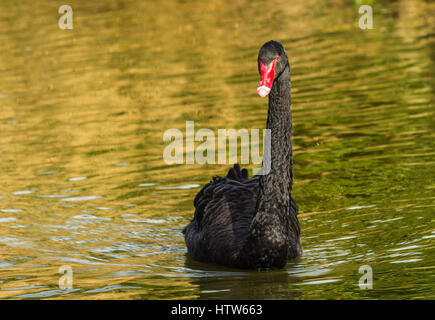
[267,77]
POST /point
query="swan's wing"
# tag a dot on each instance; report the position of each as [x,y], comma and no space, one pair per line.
[224,209]
[224,197]
[211,190]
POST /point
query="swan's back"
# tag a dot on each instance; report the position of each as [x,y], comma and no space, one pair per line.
[224,209]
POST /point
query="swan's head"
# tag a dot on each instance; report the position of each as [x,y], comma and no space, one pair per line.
[272,60]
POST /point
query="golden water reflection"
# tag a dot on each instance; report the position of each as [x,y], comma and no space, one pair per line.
[82,116]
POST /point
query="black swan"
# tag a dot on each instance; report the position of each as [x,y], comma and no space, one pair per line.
[252,223]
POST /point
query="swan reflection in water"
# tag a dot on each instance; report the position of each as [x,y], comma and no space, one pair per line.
[236,284]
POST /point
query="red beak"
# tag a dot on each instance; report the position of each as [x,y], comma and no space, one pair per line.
[267,77]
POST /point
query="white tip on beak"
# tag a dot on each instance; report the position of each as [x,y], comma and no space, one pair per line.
[263,91]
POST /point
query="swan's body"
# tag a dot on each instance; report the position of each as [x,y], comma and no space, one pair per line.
[252,223]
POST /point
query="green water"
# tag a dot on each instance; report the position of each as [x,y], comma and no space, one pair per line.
[83,112]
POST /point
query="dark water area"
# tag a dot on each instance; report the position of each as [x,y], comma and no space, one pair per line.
[82,118]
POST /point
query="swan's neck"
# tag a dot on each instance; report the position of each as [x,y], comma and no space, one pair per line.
[269,233]
[276,186]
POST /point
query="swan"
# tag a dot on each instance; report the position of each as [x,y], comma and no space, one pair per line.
[252,223]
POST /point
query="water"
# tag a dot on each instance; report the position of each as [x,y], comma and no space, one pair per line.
[82,116]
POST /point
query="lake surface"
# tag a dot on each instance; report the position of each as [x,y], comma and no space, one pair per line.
[82,118]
